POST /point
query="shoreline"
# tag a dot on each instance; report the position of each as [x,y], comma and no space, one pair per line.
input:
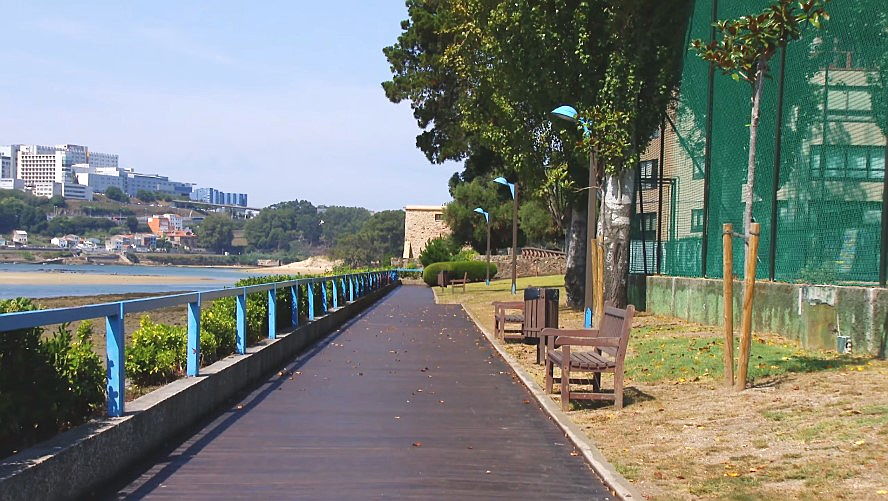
[61,277]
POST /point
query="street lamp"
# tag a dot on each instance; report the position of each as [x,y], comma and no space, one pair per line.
[486,215]
[570,114]
[513,188]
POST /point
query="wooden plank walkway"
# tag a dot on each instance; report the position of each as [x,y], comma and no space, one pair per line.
[408,400]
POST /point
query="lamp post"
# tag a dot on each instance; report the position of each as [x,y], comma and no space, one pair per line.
[570,114]
[486,215]
[513,188]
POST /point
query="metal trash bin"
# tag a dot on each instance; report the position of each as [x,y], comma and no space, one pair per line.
[540,312]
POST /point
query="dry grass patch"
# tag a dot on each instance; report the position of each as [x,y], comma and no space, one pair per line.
[814,426]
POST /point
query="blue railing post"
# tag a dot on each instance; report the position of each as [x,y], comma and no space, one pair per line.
[272,314]
[335,294]
[242,323]
[324,296]
[114,350]
[294,306]
[309,287]
[192,356]
[351,289]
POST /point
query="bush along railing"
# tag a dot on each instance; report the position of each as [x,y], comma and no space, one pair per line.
[313,296]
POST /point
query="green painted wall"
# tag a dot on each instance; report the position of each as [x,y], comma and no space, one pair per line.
[813,315]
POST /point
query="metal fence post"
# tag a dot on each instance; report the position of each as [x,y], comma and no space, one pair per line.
[294,305]
[335,294]
[114,351]
[242,323]
[272,313]
[192,356]
[351,289]
[324,296]
[309,287]
[775,182]
[707,162]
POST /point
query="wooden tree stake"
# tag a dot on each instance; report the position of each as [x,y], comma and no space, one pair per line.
[748,293]
[727,245]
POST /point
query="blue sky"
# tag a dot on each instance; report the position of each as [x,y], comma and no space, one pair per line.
[278,99]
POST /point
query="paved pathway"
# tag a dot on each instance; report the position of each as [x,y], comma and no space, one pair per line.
[407,400]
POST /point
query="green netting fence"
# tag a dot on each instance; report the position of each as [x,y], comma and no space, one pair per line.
[820,169]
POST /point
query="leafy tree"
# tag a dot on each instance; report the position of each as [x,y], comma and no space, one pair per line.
[132,224]
[215,233]
[146,196]
[536,222]
[746,47]
[339,221]
[116,194]
[282,224]
[58,201]
[438,250]
[468,226]
[379,239]
[487,73]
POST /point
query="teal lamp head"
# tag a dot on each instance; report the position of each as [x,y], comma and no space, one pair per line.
[481,211]
[565,113]
[501,180]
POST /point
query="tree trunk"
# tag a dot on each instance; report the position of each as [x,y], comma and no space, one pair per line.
[575,274]
[753,139]
[619,195]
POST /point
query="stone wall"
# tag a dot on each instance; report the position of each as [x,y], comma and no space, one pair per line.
[421,224]
[528,266]
[812,314]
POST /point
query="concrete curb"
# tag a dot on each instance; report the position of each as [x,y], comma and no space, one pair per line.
[75,463]
[621,487]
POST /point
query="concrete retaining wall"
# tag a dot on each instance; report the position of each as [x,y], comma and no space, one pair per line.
[812,314]
[80,460]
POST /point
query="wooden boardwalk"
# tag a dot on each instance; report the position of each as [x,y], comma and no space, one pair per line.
[408,400]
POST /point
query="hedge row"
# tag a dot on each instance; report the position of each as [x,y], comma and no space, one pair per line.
[47,384]
[474,269]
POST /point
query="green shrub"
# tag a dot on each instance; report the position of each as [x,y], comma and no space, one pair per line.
[475,270]
[438,250]
[156,354]
[45,385]
[77,363]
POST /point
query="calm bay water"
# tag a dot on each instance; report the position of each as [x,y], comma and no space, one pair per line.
[222,277]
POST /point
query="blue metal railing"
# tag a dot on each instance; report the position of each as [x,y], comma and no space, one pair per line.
[359,284]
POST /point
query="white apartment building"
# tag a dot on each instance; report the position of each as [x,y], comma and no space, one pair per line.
[45,189]
[8,183]
[74,191]
[5,166]
[33,168]
[74,153]
[96,159]
[99,179]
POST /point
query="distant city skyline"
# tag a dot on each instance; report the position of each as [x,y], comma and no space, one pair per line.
[281,102]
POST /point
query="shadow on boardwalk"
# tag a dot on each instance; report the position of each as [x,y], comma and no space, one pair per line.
[406,400]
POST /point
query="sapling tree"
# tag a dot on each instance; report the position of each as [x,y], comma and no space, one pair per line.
[744,51]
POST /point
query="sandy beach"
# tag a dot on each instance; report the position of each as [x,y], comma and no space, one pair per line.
[61,278]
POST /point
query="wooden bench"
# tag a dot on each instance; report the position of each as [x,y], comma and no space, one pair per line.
[508,319]
[460,282]
[608,353]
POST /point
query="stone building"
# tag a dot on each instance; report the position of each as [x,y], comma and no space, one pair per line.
[421,224]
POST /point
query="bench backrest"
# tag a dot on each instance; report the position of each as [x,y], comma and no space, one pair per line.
[617,323]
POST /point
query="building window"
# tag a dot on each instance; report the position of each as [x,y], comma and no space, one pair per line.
[439,217]
[848,162]
[644,227]
[696,220]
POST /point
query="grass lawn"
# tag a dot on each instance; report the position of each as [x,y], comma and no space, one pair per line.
[814,425]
